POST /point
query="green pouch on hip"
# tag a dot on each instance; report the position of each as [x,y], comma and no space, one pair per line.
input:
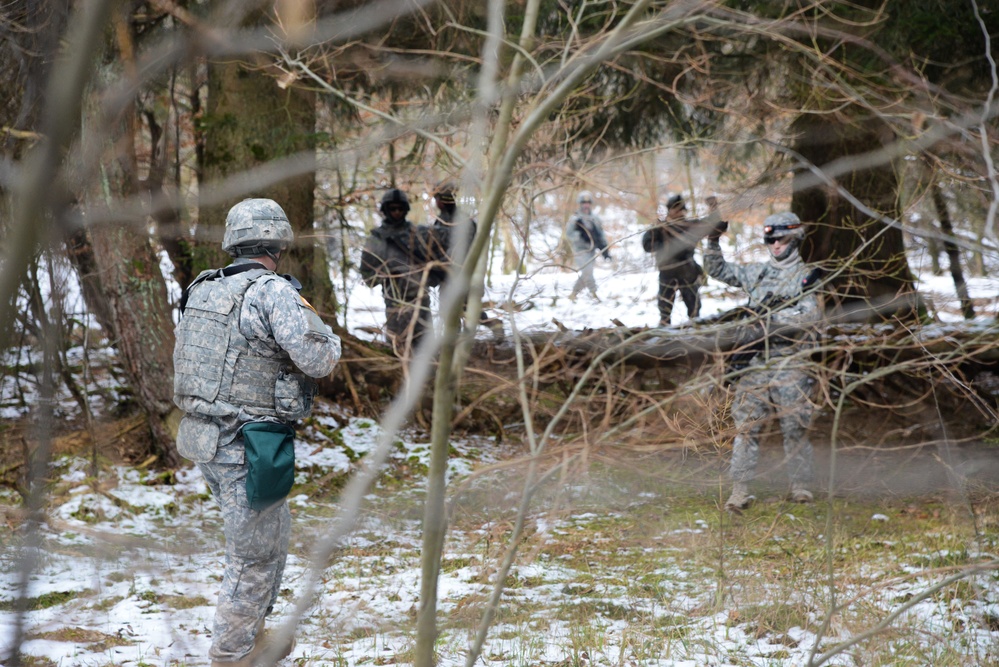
[270,460]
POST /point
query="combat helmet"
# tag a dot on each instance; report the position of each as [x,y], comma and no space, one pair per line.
[585,197]
[394,196]
[780,225]
[445,192]
[256,227]
[674,201]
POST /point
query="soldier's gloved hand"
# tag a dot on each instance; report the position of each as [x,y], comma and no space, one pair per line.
[719,228]
[606,254]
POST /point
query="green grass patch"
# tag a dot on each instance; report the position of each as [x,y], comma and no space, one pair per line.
[96,641]
[772,618]
[107,603]
[42,601]
[184,601]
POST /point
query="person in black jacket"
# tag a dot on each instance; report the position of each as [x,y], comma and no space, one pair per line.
[447,233]
[673,240]
[446,222]
[406,260]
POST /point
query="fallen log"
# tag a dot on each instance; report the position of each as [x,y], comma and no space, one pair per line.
[975,342]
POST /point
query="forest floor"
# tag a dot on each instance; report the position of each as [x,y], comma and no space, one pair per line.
[626,558]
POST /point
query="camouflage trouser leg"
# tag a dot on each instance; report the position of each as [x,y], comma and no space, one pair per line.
[750,407]
[791,393]
[784,395]
[256,548]
[585,263]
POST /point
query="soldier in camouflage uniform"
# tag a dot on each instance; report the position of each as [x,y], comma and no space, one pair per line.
[245,343]
[406,260]
[672,241]
[774,385]
[586,235]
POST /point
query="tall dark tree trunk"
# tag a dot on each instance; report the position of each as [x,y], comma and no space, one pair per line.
[28,49]
[81,256]
[953,253]
[876,282]
[128,267]
[250,120]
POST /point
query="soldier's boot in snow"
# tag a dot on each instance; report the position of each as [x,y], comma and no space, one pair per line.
[799,494]
[740,498]
[260,646]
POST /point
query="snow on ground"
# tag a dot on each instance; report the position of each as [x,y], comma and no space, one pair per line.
[138,563]
[627,286]
[135,567]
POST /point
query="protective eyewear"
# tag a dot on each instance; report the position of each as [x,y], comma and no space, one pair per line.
[395,207]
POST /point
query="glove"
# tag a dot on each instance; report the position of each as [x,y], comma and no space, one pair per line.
[606,254]
[719,228]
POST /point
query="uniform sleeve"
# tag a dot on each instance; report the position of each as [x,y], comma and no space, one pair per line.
[295,327]
[372,261]
[652,239]
[719,269]
[572,229]
[599,238]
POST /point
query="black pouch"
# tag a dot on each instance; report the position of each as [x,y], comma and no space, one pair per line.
[293,396]
[270,459]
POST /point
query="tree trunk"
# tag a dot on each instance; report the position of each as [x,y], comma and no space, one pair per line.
[250,120]
[129,269]
[953,253]
[81,256]
[877,282]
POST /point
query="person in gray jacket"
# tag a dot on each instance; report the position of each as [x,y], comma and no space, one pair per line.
[774,384]
[247,344]
[586,236]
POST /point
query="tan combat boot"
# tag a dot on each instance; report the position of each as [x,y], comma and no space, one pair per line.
[260,646]
[740,498]
[799,494]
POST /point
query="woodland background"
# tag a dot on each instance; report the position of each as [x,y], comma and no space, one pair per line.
[130,128]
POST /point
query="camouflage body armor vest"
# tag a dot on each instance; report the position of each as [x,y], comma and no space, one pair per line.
[214,364]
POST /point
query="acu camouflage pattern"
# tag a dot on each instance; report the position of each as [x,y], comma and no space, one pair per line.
[256,550]
[238,344]
[776,384]
[269,327]
[586,232]
[254,221]
[763,395]
[586,236]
